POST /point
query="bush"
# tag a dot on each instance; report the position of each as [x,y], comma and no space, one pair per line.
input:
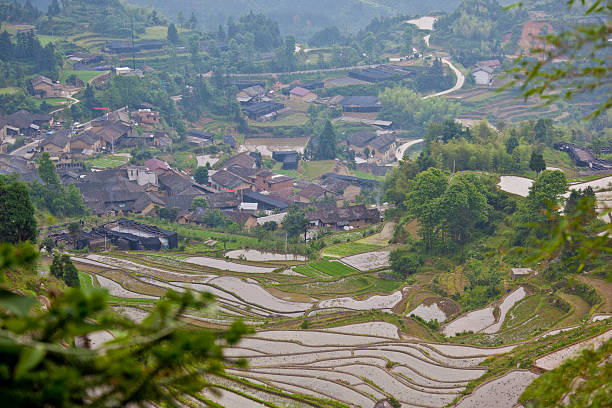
[404,261]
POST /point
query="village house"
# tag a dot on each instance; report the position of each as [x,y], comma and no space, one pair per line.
[85,144]
[251,95]
[312,193]
[360,104]
[43,87]
[483,76]
[246,221]
[344,191]
[289,158]
[263,111]
[25,123]
[264,201]
[246,160]
[156,164]
[357,216]
[56,143]
[493,64]
[302,95]
[200,138]
[147,117]
[273,183]
[225,200]
[142,175]
[224,180]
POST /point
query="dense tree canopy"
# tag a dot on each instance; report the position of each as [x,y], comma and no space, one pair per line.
[17,222]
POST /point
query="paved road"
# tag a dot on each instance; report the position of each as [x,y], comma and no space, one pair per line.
[458,84]
[23,150]
[72,102]
[399,153]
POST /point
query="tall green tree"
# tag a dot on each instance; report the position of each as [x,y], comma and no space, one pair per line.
[173,36]
[47,171]
[327,148]
[422,202]
[536,162]
[295,223]
[17,222]
[57,267]
[70,275]
[201,175]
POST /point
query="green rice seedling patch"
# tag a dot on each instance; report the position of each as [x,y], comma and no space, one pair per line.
[334,268]
[349,248]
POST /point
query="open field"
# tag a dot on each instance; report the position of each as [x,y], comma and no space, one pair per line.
[107,161]
[84,76]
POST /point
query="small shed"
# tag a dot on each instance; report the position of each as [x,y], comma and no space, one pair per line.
[520,272]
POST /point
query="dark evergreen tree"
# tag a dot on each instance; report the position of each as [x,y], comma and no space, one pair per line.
[537,163]
[70,274]
[511,144]
[201,175]
[57,268]
[172,34]
[327,148]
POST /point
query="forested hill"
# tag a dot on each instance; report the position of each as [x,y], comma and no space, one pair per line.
[299,17]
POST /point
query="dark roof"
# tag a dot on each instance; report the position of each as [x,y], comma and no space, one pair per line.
[150,229]
[361,138]
[227,180]
[383,142]
[312,192]
[223,200]
[344,215]
[87,137]
[40,79]
[144,200]
[262,108]
[200,134]
[253,197]
[22,119]
[362,101]
[59,138]
[243,160]
[175,182]
[373,75]
[336,185]
[282,154]
[239,218]
[180,201]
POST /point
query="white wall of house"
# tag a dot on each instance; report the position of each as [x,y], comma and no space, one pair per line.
[482,77]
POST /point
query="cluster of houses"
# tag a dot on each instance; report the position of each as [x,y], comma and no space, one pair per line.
[109,132]
[241,188]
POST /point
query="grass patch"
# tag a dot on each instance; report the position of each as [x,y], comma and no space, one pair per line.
[308,270]
[295,119]
[9,90]
[349,248]
[312,170]
[107,161]
[185,160]
[154,33]
[84,76]
[334,268]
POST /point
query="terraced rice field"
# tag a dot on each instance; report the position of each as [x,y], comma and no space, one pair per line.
[483,320]
[345,360]
[360,368]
